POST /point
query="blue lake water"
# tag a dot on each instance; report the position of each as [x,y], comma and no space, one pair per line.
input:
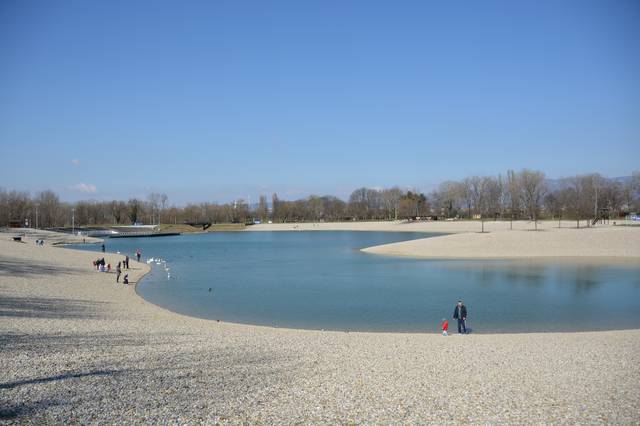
[320,280]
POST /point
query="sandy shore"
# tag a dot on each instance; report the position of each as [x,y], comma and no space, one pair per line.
[603,243]
[48,237]
[443,226]
[77,348]
[606,245]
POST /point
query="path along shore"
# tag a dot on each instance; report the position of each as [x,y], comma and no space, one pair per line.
[77,347]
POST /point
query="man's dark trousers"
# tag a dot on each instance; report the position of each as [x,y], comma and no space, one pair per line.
[462,327]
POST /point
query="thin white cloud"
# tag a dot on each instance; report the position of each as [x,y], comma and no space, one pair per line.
[75,162]
[295,192]
[85,187]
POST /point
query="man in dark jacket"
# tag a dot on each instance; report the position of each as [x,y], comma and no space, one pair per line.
[460,314]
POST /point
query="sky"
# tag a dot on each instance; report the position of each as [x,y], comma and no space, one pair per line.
[217,100]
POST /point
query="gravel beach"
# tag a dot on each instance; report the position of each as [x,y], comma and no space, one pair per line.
[501,240]
[75,347]
[596,245]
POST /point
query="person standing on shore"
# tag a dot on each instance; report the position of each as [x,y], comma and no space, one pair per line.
[138,254]
[460,314]
[118,272]
[126,262]
[103,248]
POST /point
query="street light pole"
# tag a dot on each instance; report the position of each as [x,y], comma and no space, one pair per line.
[73,221]
[595,209]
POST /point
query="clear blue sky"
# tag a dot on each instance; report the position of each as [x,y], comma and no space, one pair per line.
[216,100]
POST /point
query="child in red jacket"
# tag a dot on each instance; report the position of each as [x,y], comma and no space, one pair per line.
[445,327]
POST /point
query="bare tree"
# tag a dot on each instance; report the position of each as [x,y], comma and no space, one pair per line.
[610,198]
[390,199]
[314,208]
[263,210]
[135,207]
[490,200]
[532,190]
[413,204]
[16,207]
[553,205]
[467,195]
[240,211]
[48,205]
[116,213]
[513,191]
[596,183]
[477,193]
[154,200]
[634,192]
[575,195]
[335,208]
[494,188]
[358,203]
[275,207]
[448,199]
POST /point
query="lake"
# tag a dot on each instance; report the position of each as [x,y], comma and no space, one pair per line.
[320,280]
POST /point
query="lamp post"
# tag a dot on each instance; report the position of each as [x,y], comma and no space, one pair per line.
[73,221]
[595,208]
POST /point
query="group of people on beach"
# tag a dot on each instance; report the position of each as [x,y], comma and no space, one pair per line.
[102,266]
[459,314]
[125,280]
[125,265]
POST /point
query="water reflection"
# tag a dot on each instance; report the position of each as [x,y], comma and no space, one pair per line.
[581,277]
[585,279]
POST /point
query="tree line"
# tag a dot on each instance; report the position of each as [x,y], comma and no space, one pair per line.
[529,195]
[525,194]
